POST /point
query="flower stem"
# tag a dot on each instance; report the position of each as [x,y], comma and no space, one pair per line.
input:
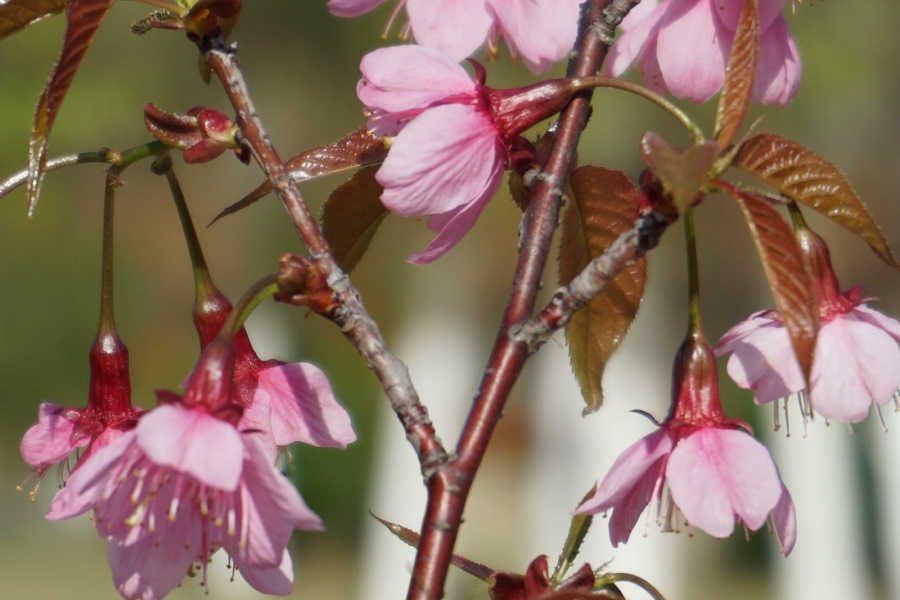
[609,82]
[262,290]
[693,272]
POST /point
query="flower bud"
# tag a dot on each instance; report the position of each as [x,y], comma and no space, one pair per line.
[202,134]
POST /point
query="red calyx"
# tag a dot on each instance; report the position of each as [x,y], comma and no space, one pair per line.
[535,584]
[212,383]
[516,110]
[109,396]
[817,260]
[695,384]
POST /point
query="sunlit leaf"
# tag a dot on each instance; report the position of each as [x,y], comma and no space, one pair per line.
[791,283]
[809,179]
[605,206]
[682,174]
[411,538]
[358,149]
[739,76]
[16,15]
[83,18]
[351,216]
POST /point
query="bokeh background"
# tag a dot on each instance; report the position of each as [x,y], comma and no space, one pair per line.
[302,68]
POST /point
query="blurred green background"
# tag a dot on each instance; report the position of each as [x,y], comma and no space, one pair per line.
[302,67]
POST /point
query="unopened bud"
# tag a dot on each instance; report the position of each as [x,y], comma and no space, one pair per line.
[302,283]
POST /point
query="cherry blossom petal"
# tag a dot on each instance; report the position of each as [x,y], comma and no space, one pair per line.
[402,78]
[627,48]
[648,65]
[455,27]
[278,581]
[740,331]
[49,441]
[272,508]
[445,158]
[453,226]
[628,510]
[868,315]
[85,485]
[302,407]
[693,48]
[540,31]
[627,471]
[352,8]
[637,14]
[856,363]
[729,12]
[715,473]
[194,442]
[778,71]
[148,567]
[785,518]
[764,361]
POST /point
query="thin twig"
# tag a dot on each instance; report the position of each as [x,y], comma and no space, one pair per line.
[448,488]
[351,316]
[587,285]
[14,181]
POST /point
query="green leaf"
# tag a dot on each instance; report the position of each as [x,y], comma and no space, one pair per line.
[16,15]
[358,149]
[791,283]
[682,174]
[83,18]
[740,75]
[577,531]
[351,216]
[604,207]
[809,179]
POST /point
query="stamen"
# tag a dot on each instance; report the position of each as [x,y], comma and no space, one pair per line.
[776,425]
[231,519]
[897,401]
[173,509]
[390,23]
[880,417]
[787,417]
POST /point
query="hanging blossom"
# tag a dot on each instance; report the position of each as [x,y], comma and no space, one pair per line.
[683,46]
[857,359]
[450,136]
[540,31]
[61,430]
[288,402]
[711,467]
[185,482]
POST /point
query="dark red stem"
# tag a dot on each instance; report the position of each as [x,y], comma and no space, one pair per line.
[449,486]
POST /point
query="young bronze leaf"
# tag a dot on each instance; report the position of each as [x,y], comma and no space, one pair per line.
[83,19]
[791,283]
[16,15]
[809,179]
[351,216]
[411,538]
[605,206]
[682,174]
[358,149]
[739,76]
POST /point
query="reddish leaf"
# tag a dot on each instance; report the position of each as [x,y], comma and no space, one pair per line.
[682,174]
[83,18]
[358,149]
[740,75]
[351,216]
[16,15]
[605,206]
[809,179]
[411,538]
[791,283]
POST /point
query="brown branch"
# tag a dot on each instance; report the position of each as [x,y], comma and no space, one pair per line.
[351,316]
[449,486]
[587,285]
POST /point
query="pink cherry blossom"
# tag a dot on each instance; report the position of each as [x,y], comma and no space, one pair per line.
[710,466]
[540,31]
[715,475]
[177,488]
[857,358]
[61,430]
[452,135]
[857,361]
[683,46]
